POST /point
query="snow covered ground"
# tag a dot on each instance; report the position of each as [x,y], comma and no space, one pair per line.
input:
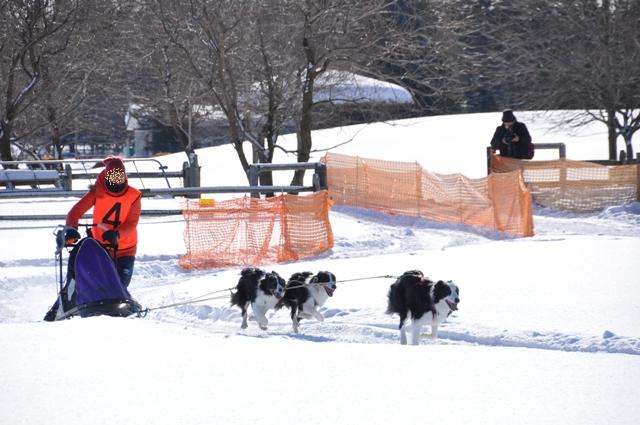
[548,329]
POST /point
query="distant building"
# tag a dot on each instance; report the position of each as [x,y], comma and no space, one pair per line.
[147,136]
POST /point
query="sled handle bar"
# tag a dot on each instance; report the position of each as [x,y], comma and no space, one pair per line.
[60,230]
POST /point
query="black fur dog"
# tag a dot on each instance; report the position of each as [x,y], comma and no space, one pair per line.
[305,293]
[424,301]
[260,289]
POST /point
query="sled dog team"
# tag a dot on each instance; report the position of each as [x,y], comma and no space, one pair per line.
[412,296]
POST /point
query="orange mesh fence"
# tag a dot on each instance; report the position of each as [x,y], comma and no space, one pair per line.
[252,231]
[577,186]
[499,201]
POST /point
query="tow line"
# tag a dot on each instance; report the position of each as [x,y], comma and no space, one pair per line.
[206,297]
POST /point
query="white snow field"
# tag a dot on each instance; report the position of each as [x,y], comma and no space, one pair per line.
[547,331]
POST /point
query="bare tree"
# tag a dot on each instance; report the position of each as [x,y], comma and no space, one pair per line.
[602,63]
[33,32]
[202,36]
[338,35]
[422,45]
[70,66]
[163,87]
[577,55]
[236,51]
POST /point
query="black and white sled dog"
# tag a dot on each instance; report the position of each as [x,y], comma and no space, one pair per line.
[424,301]
[260,289]
[305,293]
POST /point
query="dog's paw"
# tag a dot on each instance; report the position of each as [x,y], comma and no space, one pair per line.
[263,326]
[244,326]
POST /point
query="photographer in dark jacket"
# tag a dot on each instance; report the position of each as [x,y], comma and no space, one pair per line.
[512,137]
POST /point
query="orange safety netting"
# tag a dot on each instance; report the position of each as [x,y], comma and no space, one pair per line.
[252,231]
[577,186]
[499,201]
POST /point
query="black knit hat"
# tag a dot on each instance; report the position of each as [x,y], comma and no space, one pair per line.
[507,116]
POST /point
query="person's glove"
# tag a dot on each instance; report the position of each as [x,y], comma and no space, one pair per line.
[111,236]
[71,236]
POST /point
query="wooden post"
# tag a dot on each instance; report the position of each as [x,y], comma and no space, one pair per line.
[191,174]
[562,150]
[254,175]
[623,157]
[321,173]
[254,178]
[195,171]
[67,178]
[185,174]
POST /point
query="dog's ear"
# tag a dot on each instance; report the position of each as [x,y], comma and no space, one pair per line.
[252,271]
[441,290]
[327,276]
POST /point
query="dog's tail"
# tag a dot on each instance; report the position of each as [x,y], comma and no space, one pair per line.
[397,299]
[235,298]
[395,302]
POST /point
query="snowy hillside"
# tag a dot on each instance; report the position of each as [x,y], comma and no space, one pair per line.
[548,329]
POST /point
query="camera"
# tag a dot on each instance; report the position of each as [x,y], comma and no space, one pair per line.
[508,137]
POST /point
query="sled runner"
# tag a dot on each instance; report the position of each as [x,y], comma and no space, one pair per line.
[92,286]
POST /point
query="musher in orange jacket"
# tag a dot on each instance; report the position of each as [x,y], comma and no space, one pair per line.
[116,211]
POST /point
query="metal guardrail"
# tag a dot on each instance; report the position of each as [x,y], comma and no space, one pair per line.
[21,177]
[63,217]
[319,172]
[66,174]
[188,174]
[178,191]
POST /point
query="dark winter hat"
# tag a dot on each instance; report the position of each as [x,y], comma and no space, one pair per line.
[115,175]
[507,116]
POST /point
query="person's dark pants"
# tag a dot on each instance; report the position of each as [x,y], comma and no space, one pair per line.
[125,269]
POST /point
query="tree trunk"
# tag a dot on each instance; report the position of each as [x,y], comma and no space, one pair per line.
[54,128]
[5,142]
[236,141]
[6,122]
[611,127]
[627,140]
[178,129]
[306,117]
[263,156]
